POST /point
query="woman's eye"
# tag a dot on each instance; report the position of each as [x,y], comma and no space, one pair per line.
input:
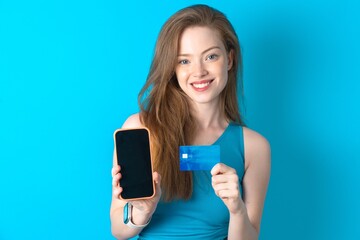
[212,57]
[184,61]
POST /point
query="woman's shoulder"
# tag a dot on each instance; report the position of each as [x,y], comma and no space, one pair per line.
[255,138]
[133,121]
[257,147]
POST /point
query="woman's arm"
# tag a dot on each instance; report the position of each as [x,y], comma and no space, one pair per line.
[118,229]
[245,215]
[141,212]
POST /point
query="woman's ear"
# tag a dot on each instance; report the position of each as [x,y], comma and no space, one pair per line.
[230,57]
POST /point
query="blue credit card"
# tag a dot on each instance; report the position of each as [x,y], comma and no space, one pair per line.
[195,158]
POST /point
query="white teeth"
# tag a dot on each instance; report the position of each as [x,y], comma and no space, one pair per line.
[201,85]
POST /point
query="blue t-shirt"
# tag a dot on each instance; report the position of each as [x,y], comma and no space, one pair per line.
[204,215]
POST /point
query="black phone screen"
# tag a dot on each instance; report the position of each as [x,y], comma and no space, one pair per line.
[133,156]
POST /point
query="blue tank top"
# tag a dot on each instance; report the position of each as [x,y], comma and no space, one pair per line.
[204,215]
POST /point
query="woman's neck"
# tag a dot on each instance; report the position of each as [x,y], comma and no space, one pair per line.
[208,115]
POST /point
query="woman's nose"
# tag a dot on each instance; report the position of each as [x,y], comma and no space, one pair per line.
[199,70]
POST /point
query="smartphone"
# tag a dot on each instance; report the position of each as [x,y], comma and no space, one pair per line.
[133,155]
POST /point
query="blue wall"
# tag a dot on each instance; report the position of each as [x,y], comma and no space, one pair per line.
[70,72]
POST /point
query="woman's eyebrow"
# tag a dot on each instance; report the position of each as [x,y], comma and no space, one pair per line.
[187,54]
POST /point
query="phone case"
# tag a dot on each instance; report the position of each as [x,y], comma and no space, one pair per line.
[151,164]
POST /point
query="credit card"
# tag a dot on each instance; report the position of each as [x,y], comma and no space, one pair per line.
[195,158]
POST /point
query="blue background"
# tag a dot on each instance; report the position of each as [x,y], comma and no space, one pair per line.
[70,72]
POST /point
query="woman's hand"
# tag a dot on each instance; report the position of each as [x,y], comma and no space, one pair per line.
[225,183]
[144,208]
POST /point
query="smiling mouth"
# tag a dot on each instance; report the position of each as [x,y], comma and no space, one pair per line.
[201,84]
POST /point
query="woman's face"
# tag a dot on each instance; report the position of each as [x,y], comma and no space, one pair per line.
[203,64]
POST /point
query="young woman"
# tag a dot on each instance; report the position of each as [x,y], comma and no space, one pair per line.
[190,98]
